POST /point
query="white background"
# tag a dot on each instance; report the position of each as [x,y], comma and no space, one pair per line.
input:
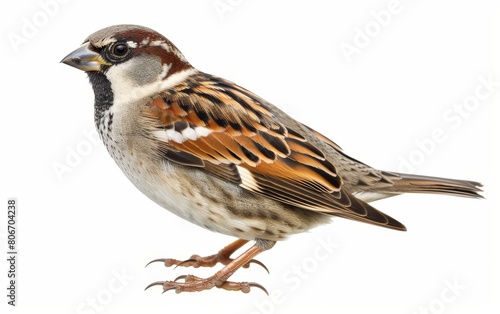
[79,230]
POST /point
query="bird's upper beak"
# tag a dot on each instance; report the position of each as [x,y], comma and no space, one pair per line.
[85,59]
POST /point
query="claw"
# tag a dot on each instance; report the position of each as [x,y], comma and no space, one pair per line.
[156,283]
[180,277]
[256,285]
[258,263]
[155,260]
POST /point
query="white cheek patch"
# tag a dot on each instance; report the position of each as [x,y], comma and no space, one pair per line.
[126,90]
[170,135]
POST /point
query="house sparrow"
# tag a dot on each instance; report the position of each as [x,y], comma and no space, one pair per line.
[222,157]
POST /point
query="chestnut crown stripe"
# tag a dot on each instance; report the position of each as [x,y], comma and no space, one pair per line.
[143,40]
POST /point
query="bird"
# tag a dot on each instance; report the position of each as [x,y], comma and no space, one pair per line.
[224,158]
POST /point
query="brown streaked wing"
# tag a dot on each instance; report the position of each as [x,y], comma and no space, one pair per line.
[229,132]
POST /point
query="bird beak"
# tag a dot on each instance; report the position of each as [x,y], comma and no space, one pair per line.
[85,59]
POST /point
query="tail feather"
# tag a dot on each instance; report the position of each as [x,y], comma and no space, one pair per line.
[410,183]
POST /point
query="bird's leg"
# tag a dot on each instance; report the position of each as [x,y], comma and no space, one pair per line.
[223,257]
[219,279]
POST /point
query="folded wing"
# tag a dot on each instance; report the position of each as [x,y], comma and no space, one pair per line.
[219,127]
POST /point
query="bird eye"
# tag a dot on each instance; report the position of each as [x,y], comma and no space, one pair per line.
[118,51]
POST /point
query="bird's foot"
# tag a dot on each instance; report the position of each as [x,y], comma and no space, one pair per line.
[219,279]
[223,257]
[194,284]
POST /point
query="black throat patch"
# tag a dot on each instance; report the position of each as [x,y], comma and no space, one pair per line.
[103,95]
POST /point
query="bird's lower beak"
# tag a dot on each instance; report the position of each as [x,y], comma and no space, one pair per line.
[85,59]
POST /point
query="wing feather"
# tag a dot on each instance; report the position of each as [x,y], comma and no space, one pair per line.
[217,126]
